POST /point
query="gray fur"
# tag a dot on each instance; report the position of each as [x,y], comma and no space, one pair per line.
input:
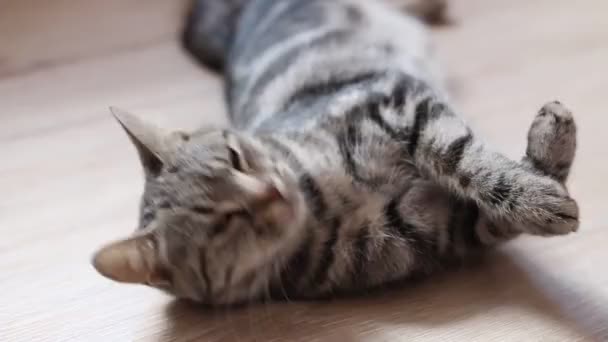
[347,167]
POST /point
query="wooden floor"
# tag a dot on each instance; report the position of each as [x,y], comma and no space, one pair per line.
[70,180]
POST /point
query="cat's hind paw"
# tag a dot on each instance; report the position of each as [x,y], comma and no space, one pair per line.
[552,141]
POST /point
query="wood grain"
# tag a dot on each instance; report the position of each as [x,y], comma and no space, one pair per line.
[71,181]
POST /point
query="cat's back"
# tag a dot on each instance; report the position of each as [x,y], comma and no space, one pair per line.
[291,59]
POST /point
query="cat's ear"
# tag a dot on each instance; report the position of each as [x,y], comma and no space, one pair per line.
[148,139]
[134,260]
[258,192]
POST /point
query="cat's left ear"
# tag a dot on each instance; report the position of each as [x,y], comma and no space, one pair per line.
[149,140]
[133,260]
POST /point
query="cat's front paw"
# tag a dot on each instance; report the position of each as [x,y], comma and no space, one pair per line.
[552,209]
[550,152]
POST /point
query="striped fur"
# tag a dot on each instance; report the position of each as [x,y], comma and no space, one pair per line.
[346,168]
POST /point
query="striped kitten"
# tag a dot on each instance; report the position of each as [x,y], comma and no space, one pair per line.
[345,168]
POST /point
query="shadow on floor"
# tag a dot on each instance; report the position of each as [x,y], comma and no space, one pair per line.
[500,282]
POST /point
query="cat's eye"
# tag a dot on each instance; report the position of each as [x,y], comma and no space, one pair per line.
[222,224]
[238,213]
[202,209]
[164,205]
[147,217]
[230,215]
[235,159]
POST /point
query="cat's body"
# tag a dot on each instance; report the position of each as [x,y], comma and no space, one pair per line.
[347,168]
[287,60]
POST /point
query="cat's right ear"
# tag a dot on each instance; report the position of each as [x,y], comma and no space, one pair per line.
[147,138]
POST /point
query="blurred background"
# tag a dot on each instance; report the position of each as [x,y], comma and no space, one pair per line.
[70,180]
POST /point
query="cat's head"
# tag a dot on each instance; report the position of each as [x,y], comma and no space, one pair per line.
[217,215]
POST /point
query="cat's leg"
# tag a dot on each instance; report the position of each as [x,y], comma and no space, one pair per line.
[209,30]
[444,148]
[550,151]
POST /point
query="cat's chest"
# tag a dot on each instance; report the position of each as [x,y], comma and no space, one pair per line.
[370,159]
[356,171]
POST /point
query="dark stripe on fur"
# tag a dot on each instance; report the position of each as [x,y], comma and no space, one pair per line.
[420,121]
[455,152]
[500,193]
[328,253]
[250,28]
[422,247]
[462,220]
[314,195]
[348,141]
[205,274]
[469,219]
[399,92]
[328,87]
[360,254]
[375,117]
[348,138]
[453,226]
[296,268]
[280,66]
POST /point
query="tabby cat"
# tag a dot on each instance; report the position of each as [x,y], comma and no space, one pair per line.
[346,168]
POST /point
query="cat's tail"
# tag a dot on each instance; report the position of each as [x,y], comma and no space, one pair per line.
[208,30]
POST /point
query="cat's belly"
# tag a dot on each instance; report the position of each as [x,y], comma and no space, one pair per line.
[372,246]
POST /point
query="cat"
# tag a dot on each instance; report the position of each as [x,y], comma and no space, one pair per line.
[345,167]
